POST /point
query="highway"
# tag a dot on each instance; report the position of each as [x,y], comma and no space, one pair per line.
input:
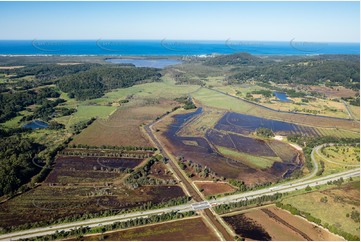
[201,205]
[287,187]
[215,222]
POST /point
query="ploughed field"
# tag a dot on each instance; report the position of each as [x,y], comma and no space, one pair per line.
[271,223]
[84,185]
[228,154]
[76,169]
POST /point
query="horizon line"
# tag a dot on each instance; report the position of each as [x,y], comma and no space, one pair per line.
[193,40]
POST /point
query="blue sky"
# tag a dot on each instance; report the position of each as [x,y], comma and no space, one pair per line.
[274,21]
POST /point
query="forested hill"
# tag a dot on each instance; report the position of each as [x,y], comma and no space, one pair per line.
[330,70]
[96,81]
[48,71]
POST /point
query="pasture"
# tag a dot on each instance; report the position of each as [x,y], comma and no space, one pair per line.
[212,98]
[332,206]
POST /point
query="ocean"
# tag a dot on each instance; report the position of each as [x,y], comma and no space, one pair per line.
[171,47]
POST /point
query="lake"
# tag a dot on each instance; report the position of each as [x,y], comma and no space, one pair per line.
[155,63]
[281,96]
[36,124]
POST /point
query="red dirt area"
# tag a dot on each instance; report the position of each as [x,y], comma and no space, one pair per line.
[214,188]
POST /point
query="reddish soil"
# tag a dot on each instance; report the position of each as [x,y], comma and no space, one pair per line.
[278,225]
[212,188]
[89,169]
[182,230]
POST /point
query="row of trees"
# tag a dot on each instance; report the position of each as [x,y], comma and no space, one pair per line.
[105,213]
[80,232]
[333,228]
[223,208]
[113,147]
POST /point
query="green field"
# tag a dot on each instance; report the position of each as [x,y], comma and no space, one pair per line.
[340,202]
[344,155]
[258,162]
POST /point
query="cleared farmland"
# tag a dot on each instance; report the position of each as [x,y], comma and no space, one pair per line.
[182,230]
[123,127]
[332,206]
[86,185]
[271,223]
[210,188]
[212,98]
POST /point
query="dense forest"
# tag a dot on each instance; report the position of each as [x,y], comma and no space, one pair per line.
[95,82]
[16,166]
[48,71]
[12,103]
[308,72]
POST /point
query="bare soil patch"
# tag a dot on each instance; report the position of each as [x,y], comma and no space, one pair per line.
[214,188]
[194,229]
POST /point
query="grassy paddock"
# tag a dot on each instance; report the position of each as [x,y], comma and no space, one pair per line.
[340,202]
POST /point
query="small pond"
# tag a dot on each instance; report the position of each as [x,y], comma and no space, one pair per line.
[36,124]
[281,96]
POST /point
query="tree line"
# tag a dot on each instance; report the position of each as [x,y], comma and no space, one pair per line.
[334,229]
[95,82]
[80,232]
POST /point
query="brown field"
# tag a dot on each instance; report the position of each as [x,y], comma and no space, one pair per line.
[89,169]
[75,187]
[46,203]
[123,127]
[190,229]
[271,223]
[214,188]
[330,91]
